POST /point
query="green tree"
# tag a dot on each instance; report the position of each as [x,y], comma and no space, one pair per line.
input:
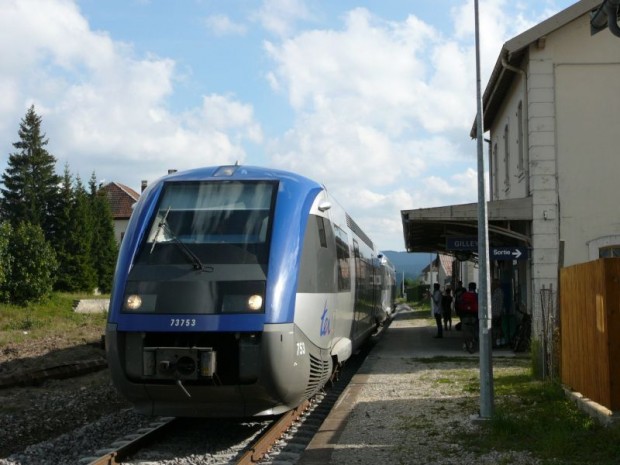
[104,248]
[6,258]
[34,265]
[30,192]
[65,241]
[76,272]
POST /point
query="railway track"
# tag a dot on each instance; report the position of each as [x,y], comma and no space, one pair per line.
[279,440]
[250,450]
[129,445]
[124,448]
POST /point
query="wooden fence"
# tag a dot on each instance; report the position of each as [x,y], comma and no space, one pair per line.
[590,330]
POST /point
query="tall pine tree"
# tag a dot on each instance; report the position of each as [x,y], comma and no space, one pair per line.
[30,192]
[104,249]
[76,272]
[65,242]
[81,275]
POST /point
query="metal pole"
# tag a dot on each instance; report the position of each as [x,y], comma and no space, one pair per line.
[484,294]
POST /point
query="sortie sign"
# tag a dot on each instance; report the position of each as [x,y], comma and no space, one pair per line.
[508,253]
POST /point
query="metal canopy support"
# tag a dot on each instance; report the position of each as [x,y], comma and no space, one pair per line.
[484,295]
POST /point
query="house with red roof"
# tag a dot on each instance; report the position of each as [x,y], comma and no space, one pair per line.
[122,198]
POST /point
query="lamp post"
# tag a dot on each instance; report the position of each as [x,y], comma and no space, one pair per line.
[484,294]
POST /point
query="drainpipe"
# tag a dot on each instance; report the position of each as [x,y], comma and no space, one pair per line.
[526,122]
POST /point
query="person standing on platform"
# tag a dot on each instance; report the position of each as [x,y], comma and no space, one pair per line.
[458,293]
[436,309]
[497,312]
[446,309]
[469,301]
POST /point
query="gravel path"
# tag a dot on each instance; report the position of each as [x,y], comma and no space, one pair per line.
[410,402]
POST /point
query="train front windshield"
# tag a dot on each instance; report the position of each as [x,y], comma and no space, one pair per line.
[217,222]
[206,250]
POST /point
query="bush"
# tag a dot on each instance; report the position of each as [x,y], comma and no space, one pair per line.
[34,265]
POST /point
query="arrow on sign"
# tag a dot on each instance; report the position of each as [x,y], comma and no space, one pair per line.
[508,253]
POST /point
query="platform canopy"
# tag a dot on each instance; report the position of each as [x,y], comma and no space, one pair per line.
[431,229]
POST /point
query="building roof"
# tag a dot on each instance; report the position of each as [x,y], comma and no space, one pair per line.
[427,229]
[121,199]
[512,54]
[445,261]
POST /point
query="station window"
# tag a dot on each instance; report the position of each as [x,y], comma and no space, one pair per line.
[609,252]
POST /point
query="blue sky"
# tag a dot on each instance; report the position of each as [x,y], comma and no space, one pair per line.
[375,99]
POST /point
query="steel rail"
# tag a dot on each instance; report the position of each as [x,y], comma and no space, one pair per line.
[266,441]
[123,448]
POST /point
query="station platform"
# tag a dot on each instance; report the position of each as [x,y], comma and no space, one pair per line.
[363,426]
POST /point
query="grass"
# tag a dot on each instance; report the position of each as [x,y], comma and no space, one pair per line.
[53,316]
[530,415]
[535,416]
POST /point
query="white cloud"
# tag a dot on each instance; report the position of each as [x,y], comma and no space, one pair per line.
[372,61]
[222,25]
[381,109]
[224,113]
[439,189]
[366,95]
[280,17]
[98,99]
[384,112]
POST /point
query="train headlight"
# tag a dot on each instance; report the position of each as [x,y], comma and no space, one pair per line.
[255,302]
[133,302]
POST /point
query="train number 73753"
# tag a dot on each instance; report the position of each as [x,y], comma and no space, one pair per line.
[182,322]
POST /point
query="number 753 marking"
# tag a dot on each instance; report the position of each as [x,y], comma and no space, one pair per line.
[301,348]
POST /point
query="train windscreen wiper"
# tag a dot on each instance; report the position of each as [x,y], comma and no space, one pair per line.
[198,265]
[160,226]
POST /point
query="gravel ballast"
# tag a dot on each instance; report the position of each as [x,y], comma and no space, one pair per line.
[407,404]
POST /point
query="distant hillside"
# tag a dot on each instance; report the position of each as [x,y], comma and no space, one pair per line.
[409,263]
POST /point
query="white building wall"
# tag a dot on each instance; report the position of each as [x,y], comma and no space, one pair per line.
[120,226]
[588,161]
[587,73]
[470,273]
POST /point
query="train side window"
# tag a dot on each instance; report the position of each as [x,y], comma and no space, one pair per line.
[321,225]
[342,255]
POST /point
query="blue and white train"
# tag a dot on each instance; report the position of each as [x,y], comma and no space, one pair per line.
[238,291]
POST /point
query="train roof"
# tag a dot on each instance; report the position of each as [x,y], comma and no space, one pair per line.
[239,172]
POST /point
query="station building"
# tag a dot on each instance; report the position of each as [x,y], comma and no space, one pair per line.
[551,113]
